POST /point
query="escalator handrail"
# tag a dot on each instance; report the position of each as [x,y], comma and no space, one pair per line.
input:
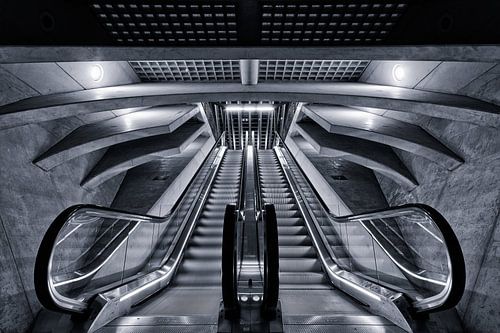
[455,285]
[114,303]
[271,263]
[229,263]
[43,264]
[44,286]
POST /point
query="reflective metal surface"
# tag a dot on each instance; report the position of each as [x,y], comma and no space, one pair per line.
[91,250]
[410,250]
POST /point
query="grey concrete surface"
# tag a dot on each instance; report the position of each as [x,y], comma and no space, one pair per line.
[469,198]
[128,127]
[45,78]
[375,156]
[114,73]
[12,89]
[381,72]
[356,185]
[394,133]
[125,156]
[451,77]
[491,53]
[154,187]
[482,311]
[29,201]
[433,104]
[52,77]
[202,146]
[485,87]
[331,198]
[105,115]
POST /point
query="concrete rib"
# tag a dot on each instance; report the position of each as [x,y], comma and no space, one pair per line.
[132,126]
[125,156]
[395,133]
[372,155]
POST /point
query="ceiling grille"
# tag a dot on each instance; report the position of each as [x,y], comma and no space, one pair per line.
[334,22]
[311,70]
[168,23]
[188,70]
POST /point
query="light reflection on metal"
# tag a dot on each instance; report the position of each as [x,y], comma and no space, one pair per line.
[414,274]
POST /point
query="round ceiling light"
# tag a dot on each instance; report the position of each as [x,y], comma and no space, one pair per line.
[96,72]
[398,72]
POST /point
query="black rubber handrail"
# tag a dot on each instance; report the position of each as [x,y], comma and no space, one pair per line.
[457,261]
[271,263]
[229,264]
[42,261]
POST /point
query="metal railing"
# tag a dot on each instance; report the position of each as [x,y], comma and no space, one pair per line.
[92,256]
[390,257]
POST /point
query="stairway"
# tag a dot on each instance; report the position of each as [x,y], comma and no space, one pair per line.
[299,264]
[191,302]
[201,265]
[309,303]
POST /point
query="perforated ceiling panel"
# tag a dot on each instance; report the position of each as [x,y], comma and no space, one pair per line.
[311,70]
[168,22]
[188,70]
[332,22]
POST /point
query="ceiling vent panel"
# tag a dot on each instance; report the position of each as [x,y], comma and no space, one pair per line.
[187,70]
[311,70]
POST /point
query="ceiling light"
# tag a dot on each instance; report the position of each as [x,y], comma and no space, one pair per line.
[96,72]
[249,107]
[398,72]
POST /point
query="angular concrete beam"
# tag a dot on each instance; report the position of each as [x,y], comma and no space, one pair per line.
[125,156]
[200,149]
[364,125]
[330,197]
[16,54]
[132,126]
[432,104]
[369,154]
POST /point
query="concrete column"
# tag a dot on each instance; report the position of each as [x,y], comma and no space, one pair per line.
[249,71]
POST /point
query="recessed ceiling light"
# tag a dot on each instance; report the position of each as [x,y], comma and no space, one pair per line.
[398,72]
[96,72]
[249,107]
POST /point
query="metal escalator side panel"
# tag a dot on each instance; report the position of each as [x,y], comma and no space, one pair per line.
[84,252]
[117,302]
[413,248]
[67,228]
[381,301]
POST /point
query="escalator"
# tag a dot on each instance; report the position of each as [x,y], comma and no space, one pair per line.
[382,271]
[195,292]
[308,299]
[115,271]
[251,230]
[299,264]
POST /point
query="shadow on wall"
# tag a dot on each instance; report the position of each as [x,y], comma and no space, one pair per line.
[469,198]
[30,199]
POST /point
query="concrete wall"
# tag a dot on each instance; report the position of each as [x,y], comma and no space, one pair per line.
[469,196]
[30,199]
